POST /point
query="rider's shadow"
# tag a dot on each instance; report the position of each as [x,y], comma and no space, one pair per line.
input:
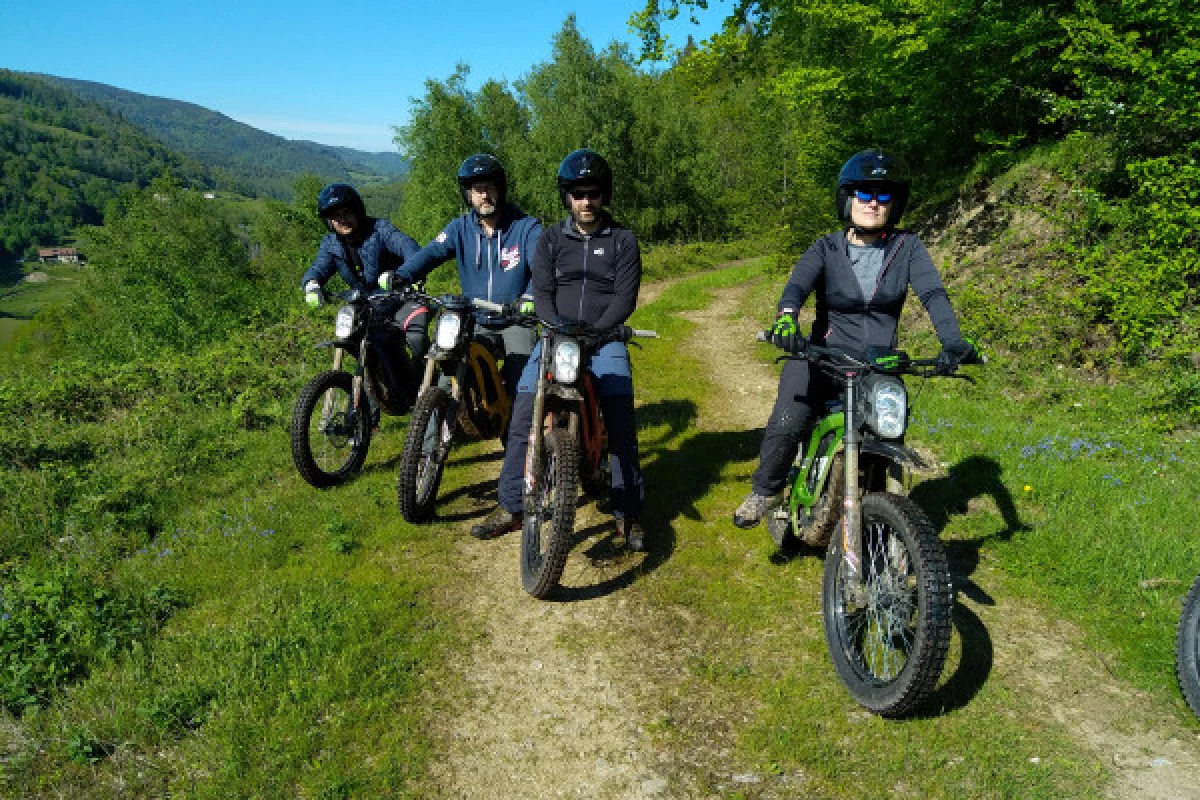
[943,498]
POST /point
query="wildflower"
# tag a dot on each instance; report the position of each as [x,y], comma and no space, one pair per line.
[1028,488]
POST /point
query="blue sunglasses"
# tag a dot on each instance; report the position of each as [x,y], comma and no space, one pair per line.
[866,197]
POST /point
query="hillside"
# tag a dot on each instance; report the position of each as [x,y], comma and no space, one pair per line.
[259,162]
[64,159]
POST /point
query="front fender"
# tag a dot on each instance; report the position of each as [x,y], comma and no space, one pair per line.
[897,453]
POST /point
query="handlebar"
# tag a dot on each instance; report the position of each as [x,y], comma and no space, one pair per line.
[487,305]
[922,367]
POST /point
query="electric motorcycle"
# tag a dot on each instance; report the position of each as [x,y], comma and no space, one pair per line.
[337,410]
[568,447]
[886,589]
[476,402]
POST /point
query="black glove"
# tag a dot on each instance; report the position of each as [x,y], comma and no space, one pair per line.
[955,354]
[784,334]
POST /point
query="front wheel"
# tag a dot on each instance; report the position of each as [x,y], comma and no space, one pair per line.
[330,436]
[550,515]
[1187,649]
[888,638]
[426,448]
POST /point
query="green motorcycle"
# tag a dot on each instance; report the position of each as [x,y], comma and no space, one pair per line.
[886,590]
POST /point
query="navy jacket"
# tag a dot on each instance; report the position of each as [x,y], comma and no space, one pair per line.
[590,278]
[495,268]
[384,248]
[845,318]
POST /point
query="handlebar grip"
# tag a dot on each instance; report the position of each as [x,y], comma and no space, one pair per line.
[487,305]
[643,334]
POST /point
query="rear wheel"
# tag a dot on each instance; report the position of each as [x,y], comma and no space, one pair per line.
[888,638]
[550,515]
[426,448]
[330,437]
[1187,649]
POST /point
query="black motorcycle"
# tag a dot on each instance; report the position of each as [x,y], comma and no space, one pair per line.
[337,410]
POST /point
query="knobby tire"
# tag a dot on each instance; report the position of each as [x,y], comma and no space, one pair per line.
[890,653]
[424,455]
[328,452]
[550,516]
[1187,649]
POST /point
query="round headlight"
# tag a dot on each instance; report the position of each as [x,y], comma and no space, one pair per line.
[448,328]
[889,409]
[343,327]
[566,361]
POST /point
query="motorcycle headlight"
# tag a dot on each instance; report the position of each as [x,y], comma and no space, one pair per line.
[566,361]
[347,316]
[888,401]
[448,328]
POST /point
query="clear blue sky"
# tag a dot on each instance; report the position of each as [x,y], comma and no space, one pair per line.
[337,73]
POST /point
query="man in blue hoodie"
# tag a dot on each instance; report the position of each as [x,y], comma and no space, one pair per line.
[494,244]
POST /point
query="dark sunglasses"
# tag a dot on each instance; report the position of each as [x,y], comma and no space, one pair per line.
[865,197]
[588,194]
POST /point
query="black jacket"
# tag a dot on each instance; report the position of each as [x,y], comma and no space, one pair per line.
[590,278]
[848,320]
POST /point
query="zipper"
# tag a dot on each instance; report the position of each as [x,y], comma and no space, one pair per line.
[587,245]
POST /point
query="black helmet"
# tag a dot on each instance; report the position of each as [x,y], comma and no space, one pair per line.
[340,195]
[482,167]
[873,168]
[584,167]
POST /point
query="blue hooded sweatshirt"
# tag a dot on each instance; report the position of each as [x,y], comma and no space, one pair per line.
[383,248]
[496,268]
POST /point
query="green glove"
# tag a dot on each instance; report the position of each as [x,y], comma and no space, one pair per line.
[526,308]
[783,334]
[385,280]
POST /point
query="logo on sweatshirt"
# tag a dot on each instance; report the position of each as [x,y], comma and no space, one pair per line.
[510,257]
[599,251]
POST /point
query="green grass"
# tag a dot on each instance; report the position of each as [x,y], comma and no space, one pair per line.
[20,300]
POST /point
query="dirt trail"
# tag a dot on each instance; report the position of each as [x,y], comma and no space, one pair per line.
[549,714]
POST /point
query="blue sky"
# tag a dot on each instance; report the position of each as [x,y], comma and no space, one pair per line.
[337,73]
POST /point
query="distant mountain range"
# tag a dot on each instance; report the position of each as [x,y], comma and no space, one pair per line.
[68,148]
[257,161]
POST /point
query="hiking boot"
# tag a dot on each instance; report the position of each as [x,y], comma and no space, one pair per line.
[634,533]
[753,509]
[498,523]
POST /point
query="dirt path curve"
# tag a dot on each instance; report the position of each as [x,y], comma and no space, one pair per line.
[547,713]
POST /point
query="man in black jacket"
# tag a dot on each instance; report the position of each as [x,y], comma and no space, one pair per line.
[589,269]
[861,276]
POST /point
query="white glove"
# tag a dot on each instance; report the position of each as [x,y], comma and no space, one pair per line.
[313,295]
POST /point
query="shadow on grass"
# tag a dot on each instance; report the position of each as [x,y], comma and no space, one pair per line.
[11,273]
[950,495]
[941,499]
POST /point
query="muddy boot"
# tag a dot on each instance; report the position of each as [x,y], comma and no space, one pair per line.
[753,509]
[498,523]
[635,535]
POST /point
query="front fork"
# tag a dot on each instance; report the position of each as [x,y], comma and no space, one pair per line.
[852,505]
[339,355]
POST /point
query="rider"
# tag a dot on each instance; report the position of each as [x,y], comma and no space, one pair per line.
[494,243]
[861,276]
[363,250]
[588,268]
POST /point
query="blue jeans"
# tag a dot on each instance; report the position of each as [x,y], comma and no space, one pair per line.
[614,388]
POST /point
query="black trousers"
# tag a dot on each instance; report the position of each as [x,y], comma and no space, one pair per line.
[801,389]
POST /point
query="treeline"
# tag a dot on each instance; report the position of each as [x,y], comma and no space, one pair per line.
[744,134]
[64,159]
